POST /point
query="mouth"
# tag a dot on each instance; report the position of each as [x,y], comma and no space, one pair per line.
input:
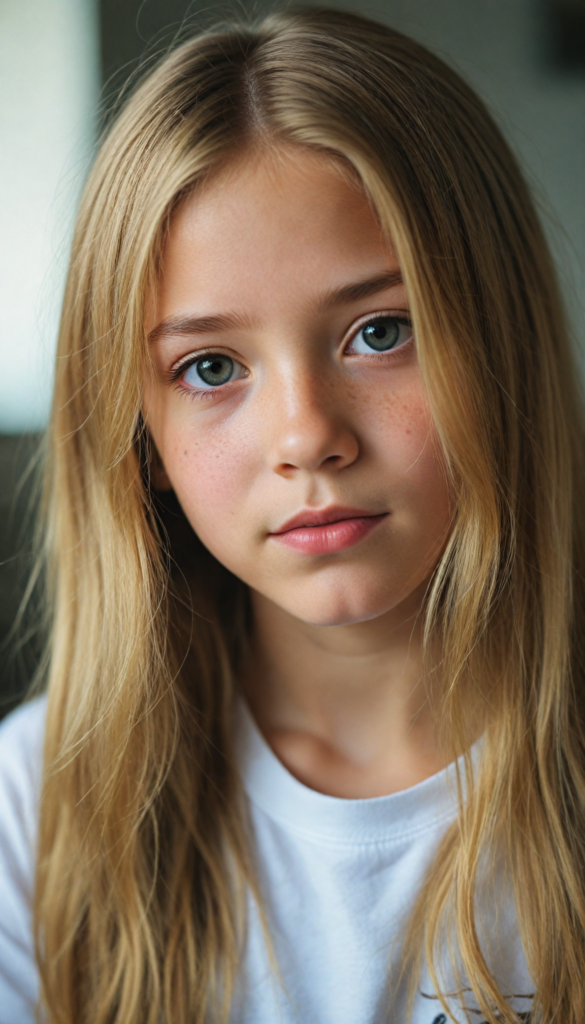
[325,531]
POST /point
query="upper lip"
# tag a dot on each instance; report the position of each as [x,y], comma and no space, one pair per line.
[321,516]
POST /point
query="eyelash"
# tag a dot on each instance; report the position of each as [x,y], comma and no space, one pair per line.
[176,372]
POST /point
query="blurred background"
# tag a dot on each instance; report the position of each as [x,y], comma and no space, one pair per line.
[62,64]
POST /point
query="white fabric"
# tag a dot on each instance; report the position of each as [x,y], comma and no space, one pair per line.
[338,878]
[21,758]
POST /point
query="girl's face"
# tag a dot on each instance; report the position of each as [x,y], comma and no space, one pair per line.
[287,404]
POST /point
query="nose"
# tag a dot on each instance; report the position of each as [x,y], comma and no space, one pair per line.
[309,429]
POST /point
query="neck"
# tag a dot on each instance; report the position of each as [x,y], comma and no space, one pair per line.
[345,708]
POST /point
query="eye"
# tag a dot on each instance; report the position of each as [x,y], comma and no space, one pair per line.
[212,370]
[381,334]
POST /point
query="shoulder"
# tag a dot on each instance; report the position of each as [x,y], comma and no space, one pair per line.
[22,735]
[24,725]
[23,729]
[21,762]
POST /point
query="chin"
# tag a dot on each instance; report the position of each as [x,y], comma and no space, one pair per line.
[339,609]
[346,618]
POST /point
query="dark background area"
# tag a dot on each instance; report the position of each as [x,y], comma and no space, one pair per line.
[20,638]
[133,33]
[566,19]
[133,29]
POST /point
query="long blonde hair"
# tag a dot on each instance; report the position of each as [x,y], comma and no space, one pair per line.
[143,855]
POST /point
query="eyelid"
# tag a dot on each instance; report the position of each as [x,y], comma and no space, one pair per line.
[399,314]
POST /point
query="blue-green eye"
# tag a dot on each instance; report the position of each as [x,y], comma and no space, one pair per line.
[381,334]
[213,370]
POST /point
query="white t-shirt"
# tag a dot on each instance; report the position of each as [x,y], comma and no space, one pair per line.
[338,878]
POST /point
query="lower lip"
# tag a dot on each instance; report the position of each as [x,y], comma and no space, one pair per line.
[329,538]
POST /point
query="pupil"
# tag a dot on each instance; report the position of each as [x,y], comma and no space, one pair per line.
[382,334]
[215,369]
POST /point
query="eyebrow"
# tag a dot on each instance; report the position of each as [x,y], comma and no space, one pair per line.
[362,290]
[184,326]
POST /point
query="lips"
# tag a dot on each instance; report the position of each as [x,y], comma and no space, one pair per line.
[325,531]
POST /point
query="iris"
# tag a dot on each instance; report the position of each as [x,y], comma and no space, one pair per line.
[215,369]
[382,334]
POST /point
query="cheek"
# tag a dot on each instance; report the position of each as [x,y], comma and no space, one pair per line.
[406,443]
[211,474]
[400,430]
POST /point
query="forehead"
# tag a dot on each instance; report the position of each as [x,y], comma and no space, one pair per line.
[270,226]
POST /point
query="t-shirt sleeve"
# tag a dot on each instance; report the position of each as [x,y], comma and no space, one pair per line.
[21,756]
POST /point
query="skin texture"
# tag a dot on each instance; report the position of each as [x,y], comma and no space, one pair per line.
[311,420]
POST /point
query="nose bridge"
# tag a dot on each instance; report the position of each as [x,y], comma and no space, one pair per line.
[309,426]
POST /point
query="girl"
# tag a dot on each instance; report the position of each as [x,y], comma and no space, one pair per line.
[313,732]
